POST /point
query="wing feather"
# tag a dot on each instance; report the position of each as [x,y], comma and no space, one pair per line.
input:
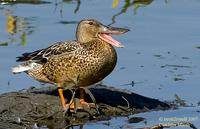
[42,55]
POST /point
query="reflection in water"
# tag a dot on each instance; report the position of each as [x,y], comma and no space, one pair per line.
[77,5]
[60,3]
[128,3]
[18,28]
[11,24]
[23,2]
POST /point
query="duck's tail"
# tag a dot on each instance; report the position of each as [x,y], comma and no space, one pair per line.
[23,67]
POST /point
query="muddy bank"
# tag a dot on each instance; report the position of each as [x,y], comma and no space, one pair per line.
[41,107]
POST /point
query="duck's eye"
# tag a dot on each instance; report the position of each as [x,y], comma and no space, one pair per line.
[90,23]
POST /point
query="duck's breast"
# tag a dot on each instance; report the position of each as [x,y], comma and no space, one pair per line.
[100,61]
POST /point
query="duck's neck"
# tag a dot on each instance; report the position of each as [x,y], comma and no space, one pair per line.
[84,35]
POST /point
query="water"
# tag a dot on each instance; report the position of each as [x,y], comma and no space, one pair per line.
[160,53]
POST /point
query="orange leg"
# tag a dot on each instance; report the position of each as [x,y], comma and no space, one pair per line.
[82,101]
[72,104]
[81,93]
[62,98]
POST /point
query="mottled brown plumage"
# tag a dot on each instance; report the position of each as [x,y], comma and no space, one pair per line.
[80,63]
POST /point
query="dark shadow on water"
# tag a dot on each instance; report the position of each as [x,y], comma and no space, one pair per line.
[68,22]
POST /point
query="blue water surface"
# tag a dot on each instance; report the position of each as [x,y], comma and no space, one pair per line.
[160,56]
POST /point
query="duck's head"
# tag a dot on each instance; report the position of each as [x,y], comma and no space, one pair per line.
[91,29]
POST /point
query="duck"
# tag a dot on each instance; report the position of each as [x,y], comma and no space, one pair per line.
[76,63]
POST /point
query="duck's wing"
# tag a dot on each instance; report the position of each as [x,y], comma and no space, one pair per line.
[43,55]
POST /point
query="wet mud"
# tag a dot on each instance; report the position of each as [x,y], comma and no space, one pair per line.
[41,107]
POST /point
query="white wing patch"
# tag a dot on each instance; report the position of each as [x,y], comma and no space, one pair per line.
[23,67]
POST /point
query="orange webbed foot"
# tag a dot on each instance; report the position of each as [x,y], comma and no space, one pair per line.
[77,104]
[80,104]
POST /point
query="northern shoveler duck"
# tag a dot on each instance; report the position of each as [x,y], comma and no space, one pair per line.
[82,62]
